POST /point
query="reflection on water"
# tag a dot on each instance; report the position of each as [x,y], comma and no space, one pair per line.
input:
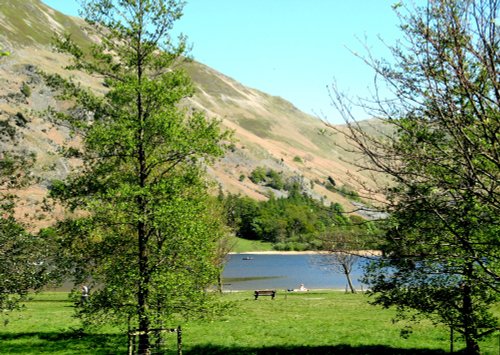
[254,271]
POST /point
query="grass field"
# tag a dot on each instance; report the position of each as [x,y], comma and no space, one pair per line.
[244,245]
[316,322]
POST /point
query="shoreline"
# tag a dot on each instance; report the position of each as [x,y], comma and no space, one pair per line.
[307,252]
[309,291]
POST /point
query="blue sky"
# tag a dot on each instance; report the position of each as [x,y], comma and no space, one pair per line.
[287,48]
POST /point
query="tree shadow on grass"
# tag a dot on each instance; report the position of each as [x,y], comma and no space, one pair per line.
[67,342]
[76,342]
[310,350]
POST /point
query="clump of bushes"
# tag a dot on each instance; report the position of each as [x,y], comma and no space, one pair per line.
[294,222]
[258,175]
[291,246]
[267,177]
[275,180]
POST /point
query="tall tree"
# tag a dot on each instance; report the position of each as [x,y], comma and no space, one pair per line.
[145,233]
[442,255]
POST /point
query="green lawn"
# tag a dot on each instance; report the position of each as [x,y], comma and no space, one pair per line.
[244,245]
[315,322]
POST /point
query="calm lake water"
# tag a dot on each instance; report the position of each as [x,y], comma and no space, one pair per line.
[282,272]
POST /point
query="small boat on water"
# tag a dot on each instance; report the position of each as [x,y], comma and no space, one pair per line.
[247,258]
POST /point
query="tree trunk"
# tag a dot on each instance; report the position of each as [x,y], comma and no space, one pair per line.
[347,274]
[219,282]
[142,295]
[470,330]
[142,238]
[143,289]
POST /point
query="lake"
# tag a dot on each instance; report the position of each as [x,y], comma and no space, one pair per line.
[274,271]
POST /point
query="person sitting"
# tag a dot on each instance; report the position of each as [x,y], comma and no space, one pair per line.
[302,288]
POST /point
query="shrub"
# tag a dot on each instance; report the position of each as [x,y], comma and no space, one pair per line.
[26,90]
[258,175]
[276,180]
[282,246]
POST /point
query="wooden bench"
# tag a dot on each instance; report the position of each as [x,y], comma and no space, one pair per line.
[271,293]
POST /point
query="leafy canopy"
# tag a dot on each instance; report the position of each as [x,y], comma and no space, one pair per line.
[442,252]
[148,231]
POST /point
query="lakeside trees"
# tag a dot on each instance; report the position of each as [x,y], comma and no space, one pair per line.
[296,222]
[441,246]
[145,231]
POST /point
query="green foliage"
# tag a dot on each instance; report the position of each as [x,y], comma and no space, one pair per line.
[23,257]
[4,53]
[276,180]
[150,232]
[267,177]
[240,212]
[442,251]
[26,90]
[258,175]
[297,159]
[24,263]
[294,223]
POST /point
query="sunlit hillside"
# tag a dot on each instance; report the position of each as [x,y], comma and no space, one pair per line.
[269,131]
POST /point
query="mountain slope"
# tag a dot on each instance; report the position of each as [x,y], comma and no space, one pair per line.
[30,22]
[274,133]
[270,131]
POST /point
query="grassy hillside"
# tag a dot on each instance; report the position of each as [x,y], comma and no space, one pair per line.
[32,23]
[270,132]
